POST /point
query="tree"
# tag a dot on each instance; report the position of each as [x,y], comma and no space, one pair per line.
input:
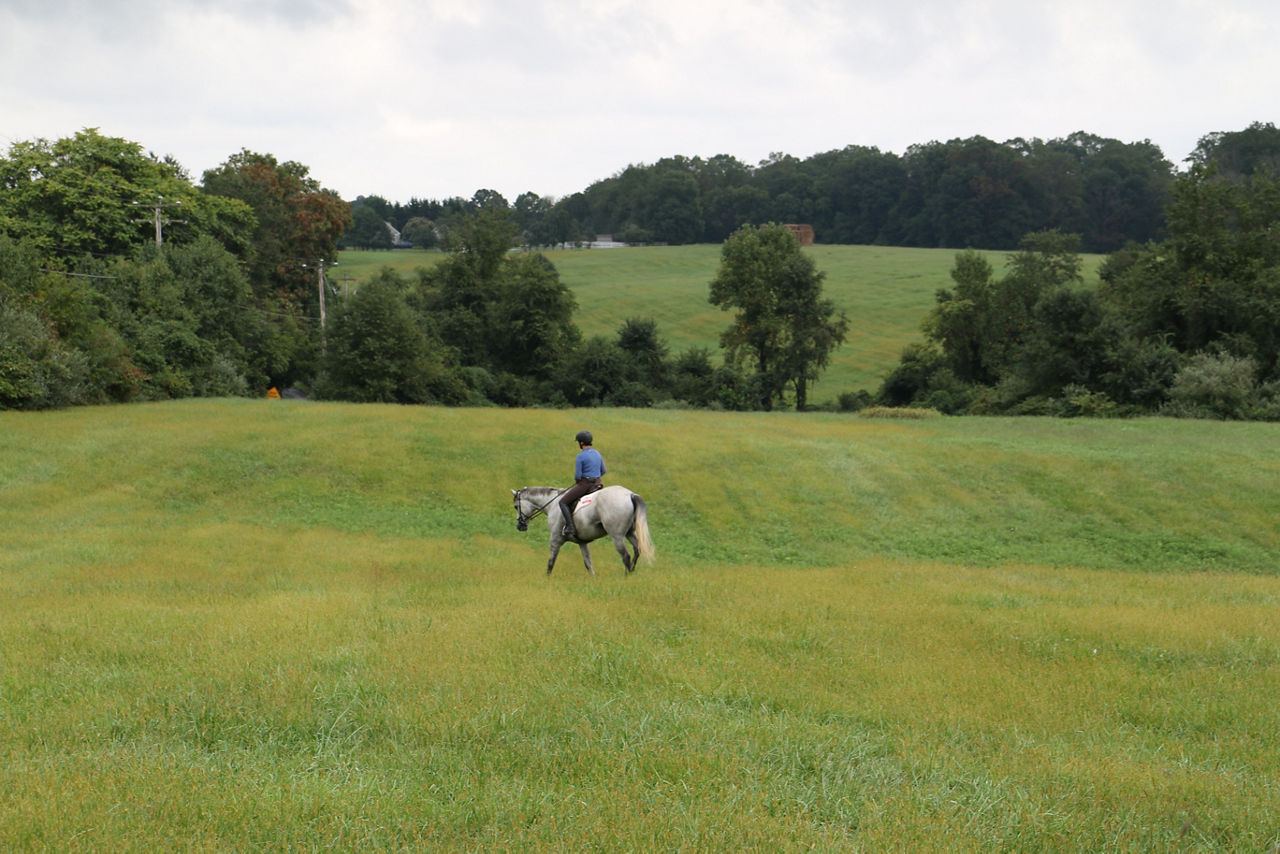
[639,338]
[376,352]
[509,315]
[856,188]
[1214,284]
[1045,260]
[299,224]
[298,221]
[531,216]
[1032,332]
[530,324]
[782,325]
[960,321]
[368,229]
[97,194]
[420,231]
[1239,154]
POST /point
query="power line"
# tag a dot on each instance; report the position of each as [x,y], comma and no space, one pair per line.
[77,275]
[159,207]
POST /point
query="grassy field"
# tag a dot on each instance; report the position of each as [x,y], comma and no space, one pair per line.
[886,292]
[245,624]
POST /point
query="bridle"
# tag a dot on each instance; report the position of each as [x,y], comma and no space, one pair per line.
[522,521]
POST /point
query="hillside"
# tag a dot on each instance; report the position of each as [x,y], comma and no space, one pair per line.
[886,292]
[811,490]
[249,624]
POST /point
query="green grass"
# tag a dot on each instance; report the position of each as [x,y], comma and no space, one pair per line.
[886,292]
[241,624]
[356,265]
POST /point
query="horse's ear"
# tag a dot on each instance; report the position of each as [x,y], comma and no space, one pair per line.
[514,492]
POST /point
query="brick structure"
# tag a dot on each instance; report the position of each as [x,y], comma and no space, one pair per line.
[803,233]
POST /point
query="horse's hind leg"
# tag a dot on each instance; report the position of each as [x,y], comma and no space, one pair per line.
[621,545]
[635,544]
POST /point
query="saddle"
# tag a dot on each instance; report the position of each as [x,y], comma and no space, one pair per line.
[595,487]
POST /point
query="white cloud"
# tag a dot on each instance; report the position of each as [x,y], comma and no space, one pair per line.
[442,98]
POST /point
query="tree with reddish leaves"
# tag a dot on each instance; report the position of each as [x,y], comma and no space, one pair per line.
[299,222]
[298,227]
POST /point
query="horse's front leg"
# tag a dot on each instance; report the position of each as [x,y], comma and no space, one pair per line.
[586,557]
[556,543]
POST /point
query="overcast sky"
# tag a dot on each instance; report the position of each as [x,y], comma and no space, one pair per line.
[438,98]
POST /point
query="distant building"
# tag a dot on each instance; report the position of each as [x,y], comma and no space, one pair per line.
[803,233]
[397,241]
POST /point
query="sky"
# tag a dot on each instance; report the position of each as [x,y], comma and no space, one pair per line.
[431,99]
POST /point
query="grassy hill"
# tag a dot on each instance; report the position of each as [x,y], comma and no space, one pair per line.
[886,292]
[267,624]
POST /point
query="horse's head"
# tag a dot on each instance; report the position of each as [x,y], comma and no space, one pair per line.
[522,514]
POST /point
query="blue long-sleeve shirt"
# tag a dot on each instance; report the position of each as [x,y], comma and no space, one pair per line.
[589,464]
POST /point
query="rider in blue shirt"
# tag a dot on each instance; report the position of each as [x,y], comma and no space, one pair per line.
[588,471]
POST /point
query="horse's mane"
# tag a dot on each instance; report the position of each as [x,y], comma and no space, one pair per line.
[536,492]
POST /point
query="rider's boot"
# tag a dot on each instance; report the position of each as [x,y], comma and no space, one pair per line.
[570,532]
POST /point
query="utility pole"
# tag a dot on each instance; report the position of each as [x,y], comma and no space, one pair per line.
[320,286]
[159,207]
[320,265]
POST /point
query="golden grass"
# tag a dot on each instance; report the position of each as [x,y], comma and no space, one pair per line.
[240,625]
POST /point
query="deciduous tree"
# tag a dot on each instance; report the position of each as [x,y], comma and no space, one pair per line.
[782,326]
[98,194]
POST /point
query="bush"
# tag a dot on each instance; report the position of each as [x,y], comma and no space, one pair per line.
[693,377]
[910,380]
[947,393]
[36,370]
[1213,385]
[1266,405]
[1080,401]
[853,401]
[632,394]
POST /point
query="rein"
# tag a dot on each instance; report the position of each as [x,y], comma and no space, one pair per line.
[544,507]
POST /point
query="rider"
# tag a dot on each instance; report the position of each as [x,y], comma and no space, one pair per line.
[588,469]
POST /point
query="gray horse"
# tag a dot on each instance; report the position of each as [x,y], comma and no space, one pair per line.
[614,510]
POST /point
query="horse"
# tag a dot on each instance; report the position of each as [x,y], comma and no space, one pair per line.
[614,510]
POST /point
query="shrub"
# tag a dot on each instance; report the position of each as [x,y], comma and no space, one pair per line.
[1216,385]
[853,401]
[911,378]
[631,394]
[36,370]
[1080,401]
[1266,405]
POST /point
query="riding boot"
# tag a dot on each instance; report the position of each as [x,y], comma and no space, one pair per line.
[570,532]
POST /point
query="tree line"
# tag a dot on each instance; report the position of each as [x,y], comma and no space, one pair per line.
[1184,326]
[487,326]
[963,193]
[123,279]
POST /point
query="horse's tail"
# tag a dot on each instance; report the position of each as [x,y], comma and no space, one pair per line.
[641,525]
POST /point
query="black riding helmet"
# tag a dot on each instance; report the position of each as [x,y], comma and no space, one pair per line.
[583,437]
